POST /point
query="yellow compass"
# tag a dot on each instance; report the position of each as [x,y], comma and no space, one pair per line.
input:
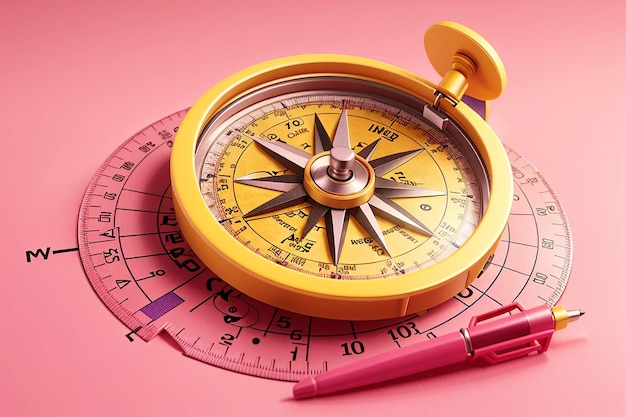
[342,187]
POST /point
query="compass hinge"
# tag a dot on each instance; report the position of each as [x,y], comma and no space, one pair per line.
[439,95]
[435,116]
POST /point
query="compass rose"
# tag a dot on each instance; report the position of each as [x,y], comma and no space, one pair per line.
[338,184]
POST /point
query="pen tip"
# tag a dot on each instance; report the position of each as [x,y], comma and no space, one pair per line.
[562,316]
[574,315]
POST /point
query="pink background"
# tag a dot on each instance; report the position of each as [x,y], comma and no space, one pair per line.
[78,78]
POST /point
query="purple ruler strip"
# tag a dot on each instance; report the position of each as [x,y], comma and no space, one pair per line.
[161,305]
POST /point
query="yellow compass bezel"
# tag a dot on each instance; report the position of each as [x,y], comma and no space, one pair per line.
[291,290]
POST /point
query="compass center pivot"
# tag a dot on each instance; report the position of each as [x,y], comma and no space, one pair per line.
[341,162]
[339,179]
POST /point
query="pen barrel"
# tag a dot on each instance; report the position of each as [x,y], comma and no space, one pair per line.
[413,359]
[526,322]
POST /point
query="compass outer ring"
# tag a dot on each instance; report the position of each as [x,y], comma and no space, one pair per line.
[288,289]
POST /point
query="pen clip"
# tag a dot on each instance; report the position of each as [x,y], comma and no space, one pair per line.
[515,348]
[502,310]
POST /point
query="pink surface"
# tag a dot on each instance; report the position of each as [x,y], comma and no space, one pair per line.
[79,78]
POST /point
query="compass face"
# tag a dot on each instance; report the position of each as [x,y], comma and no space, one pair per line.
[340,185]
[344,195]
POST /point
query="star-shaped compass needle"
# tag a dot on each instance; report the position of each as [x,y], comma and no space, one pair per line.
[338,184]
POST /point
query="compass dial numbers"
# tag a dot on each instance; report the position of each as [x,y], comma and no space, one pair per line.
[442,190]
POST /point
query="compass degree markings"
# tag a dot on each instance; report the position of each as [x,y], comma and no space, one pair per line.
[337,219]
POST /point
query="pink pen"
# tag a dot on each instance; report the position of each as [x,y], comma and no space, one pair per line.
[517,333]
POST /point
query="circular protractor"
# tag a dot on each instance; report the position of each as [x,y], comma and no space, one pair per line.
[343,195]
[143,270]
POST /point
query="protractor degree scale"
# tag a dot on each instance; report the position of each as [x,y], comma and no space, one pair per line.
[142,268]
